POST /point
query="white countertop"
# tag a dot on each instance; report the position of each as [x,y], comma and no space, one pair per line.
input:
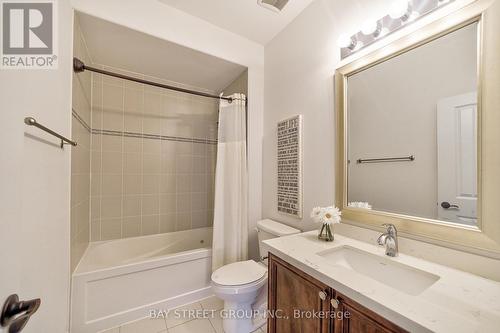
[457,302]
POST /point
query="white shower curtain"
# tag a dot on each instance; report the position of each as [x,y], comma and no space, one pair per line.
[230,233]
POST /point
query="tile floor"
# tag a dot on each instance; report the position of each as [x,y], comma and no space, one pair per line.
[181,324]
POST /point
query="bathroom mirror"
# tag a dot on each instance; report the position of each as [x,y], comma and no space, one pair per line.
[415,133]
[412,131]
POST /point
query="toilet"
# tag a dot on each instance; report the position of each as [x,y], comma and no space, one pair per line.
[243,285]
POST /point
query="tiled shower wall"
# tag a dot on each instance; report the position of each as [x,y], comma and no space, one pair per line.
[80,155]
[153,156]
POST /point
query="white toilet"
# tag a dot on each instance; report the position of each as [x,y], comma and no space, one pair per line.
[243,285]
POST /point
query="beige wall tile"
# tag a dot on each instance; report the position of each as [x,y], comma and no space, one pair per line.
[133,102]
[150,183]
[151,204]
[168,222]
[151,163]
[112,163]
[183,148]
[95,184]
[199,164]
[132,163]
[111,228]
[150,224]
[111,207]
[131,226]
[168,163]
[132,123]
[184,183]
[152,104]
[184,164]
[112,143]
[112,112]
[111,184]
[198,201]
[132,205]
[200,219]
[95,230]
[132,184]
[199,183]
[132,145]
[151,146]
[168,203]
[135,180]
[168,183]
[95,207]
[199,149]
[183,221]
[184,202]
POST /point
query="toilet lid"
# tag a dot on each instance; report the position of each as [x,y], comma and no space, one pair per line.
[238,273]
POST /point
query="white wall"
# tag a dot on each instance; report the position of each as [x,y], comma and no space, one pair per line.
[35,185]
[300,65]
[157,19]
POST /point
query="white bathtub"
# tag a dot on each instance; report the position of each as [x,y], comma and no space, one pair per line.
[120,280]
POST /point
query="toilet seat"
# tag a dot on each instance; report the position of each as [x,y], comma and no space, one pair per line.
[239,273]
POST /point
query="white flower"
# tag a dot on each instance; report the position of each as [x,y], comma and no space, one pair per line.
[331,215]
[326,215]
[360,204]
[316,214]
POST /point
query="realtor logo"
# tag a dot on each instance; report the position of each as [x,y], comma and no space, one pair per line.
[28,35]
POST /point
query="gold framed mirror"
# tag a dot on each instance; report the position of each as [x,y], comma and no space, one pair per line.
[417,130]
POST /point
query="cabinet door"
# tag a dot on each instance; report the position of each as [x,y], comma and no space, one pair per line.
[293,297]
[358,319]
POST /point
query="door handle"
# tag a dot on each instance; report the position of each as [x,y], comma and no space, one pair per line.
[447,205]
[15,314]
[335,303]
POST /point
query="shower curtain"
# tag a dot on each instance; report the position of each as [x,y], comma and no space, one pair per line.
[230,230]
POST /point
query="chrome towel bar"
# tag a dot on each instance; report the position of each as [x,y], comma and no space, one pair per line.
[386,159]
[30,121]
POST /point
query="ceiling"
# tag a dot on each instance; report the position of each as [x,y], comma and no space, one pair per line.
[243,17]
[120,47]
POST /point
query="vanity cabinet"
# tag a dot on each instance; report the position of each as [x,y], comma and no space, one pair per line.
[298,303]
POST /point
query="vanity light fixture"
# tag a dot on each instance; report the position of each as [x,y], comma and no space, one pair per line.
[346,42]
[402,10]
[372,27]
[401,13]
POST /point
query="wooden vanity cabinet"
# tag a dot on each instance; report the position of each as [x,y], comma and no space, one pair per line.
[298,303]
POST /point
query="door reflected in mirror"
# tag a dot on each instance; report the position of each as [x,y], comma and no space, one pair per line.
[412,131]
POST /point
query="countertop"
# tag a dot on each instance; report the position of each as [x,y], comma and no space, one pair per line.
[457,302]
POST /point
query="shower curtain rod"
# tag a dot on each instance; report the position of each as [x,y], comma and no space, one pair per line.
[79,66]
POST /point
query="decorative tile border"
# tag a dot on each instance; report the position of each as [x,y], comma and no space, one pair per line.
[139,135]
[153,136]
[80,120]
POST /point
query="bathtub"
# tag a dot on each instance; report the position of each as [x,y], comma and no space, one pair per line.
[118,281]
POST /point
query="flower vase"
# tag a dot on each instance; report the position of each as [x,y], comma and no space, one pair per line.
[326,233]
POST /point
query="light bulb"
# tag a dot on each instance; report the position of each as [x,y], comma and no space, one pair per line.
[400,9]
[369,27]
[346,41]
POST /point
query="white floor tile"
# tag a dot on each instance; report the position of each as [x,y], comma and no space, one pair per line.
[216,322]
[182,315]
[111,330]
[212,303]
[193,326]
[146,325]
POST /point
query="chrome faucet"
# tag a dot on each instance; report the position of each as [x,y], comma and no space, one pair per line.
[390,240]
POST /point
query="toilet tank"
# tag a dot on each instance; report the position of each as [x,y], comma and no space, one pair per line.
[267,229]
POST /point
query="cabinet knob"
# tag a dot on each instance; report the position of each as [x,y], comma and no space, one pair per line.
[335,303]
[322,295]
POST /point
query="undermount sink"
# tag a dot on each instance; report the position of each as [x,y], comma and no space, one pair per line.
[396,275]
